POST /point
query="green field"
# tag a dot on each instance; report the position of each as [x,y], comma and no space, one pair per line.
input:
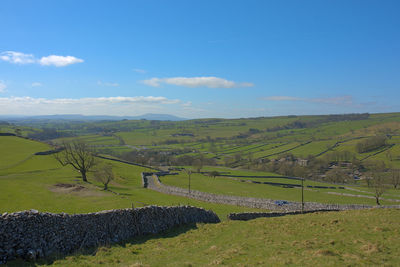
[227,186]
[222,139]
[238,147]
[15,150]
[351,238]
[38,182]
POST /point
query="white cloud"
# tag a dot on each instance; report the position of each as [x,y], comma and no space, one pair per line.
[210,82]
[17,57]
[118,105]
[282,98]
[346,100]
[52,60]
[140,71]
[3,87]
[36,84]
[187,104]
[155,82]
[59,61]
[100,83]
[340,100]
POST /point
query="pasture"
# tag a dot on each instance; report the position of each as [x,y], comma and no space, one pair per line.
[222,140]
[347,238]
[238,147]
[234,186]
[40,182]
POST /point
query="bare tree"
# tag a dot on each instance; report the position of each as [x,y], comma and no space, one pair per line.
[79,155]
[374,169]
[213,174]
[337,175]
[198,164]
[368,179]
[395,178]
[104,174]
[378,185]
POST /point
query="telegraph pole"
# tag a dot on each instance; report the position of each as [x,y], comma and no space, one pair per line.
[189,181]
[189,173]
[302,195]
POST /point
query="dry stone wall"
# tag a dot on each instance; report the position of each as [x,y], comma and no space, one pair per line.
[32,234]
[153,182]
[245,216]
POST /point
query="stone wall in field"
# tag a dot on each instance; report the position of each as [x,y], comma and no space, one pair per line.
[153,182]
[245,216]
[7,134]
[32,234]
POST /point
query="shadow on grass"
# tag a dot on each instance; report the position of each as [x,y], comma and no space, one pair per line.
[173,232]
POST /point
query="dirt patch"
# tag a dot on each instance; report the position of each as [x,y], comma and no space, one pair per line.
[370,248]
[324,252]
[71,187]
[75,189]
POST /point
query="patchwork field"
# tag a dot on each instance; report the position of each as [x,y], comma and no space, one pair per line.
[240,151]
[222,140]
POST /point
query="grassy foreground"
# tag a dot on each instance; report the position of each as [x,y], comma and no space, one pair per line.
[350,238]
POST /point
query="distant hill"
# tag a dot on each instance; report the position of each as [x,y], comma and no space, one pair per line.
[79,117]
[158,117]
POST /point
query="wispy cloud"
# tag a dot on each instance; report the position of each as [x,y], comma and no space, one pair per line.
[36,84]
[119,105]
[187,104]
[100,83]
[141,71]
[282,98]
[17,57]
[59,61]
[346,100]
[3,87]
[194,109]
[93,100]
[210,82]
[51,60]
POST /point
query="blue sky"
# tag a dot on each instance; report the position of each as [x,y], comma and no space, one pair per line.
[199,58]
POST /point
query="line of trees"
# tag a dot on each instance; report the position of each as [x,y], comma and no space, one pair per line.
[48,133]
[168,158]
[371,143]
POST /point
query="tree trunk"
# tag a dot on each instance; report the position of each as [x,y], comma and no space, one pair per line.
[83,173]
[377,201]
[105,186]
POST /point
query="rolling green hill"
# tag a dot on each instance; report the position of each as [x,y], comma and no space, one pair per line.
[223,139]
[40,182]
[242,147]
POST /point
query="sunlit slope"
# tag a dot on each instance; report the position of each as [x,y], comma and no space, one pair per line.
[257,138]
[15,150]
[236,187]
[40,182]
[350,238]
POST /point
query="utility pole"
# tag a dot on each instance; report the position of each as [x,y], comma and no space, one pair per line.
[189,173]
[189,181]
[302,195]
